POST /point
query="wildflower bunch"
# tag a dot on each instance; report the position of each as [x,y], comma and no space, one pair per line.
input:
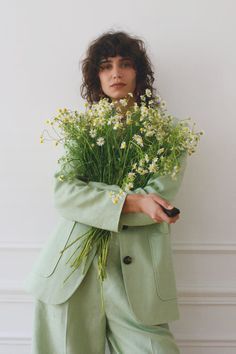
[104,144]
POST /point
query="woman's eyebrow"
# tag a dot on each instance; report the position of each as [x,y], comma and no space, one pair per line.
[109,60]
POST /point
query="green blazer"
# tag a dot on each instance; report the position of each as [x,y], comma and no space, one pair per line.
[149,279]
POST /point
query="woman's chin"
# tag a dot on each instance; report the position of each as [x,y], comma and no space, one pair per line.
[118,97]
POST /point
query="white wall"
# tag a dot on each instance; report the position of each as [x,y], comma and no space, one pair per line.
[192,45]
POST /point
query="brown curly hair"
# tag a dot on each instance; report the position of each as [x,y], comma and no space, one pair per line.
[111,44]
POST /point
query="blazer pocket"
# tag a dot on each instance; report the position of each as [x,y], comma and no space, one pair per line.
[163,227]
[161,253]
[50,255]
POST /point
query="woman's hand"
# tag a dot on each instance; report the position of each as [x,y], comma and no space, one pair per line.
[150,205]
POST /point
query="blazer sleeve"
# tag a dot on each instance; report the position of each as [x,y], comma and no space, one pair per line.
[90,203]
[164,186]
[83,202]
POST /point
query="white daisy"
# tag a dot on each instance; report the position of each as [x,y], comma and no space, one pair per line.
[123,145]
[100,141]
[138,139]
[93,133]
[148,92]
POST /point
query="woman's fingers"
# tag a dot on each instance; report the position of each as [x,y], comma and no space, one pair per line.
[165,203]
[159,215]
[160,219]
[174,219]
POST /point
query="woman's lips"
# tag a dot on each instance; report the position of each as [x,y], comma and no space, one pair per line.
[118,85]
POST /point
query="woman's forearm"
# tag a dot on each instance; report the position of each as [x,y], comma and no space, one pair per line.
[133,203]
[150,205]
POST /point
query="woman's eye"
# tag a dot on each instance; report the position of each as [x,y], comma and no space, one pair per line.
[127,64]
[107,66]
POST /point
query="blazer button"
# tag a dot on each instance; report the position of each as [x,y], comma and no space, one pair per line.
[127,259]
[125,227]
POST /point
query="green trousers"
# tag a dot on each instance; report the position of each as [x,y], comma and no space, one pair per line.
[81,325]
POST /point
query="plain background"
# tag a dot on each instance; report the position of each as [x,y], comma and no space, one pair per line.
[192,47]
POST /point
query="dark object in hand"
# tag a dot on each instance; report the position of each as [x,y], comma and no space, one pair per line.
[171,212]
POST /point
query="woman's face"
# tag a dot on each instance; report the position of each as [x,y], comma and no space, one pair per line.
[117,70]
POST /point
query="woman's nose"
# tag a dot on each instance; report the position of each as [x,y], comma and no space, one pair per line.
[116,72]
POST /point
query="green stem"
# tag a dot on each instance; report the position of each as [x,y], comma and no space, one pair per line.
[98,238]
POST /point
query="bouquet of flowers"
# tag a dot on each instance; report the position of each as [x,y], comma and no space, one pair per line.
[104,144]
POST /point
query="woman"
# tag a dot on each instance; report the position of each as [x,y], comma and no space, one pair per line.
[139,290]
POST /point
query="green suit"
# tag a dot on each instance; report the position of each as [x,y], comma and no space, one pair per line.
[149,277]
